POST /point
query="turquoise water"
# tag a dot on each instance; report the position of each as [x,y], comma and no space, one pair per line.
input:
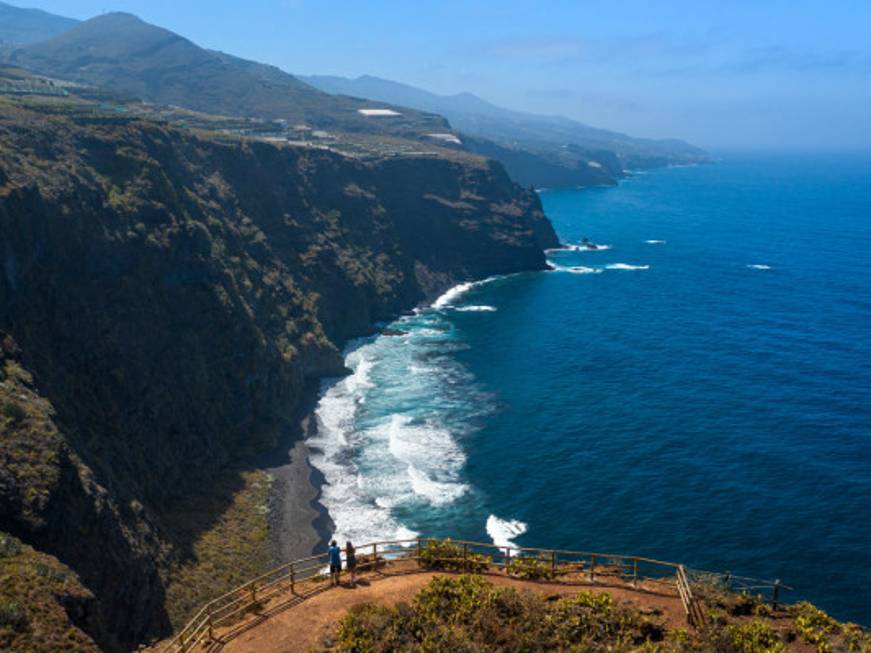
[700,391]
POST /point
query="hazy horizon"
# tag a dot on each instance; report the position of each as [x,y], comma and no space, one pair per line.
[735,77]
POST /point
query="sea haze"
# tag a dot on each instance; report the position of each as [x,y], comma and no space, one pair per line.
[697,389]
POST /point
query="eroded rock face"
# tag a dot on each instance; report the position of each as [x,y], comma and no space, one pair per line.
[166,297]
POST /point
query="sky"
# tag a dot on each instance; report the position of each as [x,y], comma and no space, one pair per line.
[793,74]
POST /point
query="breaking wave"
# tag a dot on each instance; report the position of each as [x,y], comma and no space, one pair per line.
[759,266]
[503,531]
[389,436]
[574,269]
[626,266]
[475,309]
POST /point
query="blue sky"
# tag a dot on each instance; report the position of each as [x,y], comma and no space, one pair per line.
[793,74]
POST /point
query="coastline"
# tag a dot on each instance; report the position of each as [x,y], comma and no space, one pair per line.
[299,525]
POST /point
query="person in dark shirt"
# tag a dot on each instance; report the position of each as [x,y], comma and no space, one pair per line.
[351,562]
[335,554]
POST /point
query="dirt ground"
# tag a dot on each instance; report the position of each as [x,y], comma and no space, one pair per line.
[288,626]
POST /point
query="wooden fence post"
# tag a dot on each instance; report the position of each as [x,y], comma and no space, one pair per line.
[253,593]
[507,558]
[211,629]
[292,580]
[466,557]
[419,552]
[592,569]
[635,572]
[776,595]
[553,563]
[374,556]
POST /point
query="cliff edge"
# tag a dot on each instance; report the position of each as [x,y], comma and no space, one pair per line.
[163,298]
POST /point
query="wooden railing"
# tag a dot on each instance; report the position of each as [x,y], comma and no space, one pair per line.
[695,614]
[298,578]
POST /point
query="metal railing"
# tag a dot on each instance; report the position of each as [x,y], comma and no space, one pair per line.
[302,578]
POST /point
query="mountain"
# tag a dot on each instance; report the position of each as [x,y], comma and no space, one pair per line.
[120,52]
[551,149]
[20,26]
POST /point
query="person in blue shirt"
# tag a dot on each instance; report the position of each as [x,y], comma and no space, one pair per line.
[335,562]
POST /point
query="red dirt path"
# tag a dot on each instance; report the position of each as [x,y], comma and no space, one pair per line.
[288,626]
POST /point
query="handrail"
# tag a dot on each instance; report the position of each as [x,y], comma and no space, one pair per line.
[245,597]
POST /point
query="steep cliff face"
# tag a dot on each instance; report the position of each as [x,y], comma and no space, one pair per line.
[164,297]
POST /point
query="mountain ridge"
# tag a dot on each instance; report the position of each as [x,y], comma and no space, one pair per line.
[536,149]
[20,25]
[121,52]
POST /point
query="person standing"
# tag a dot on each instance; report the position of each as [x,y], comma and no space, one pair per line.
[335,554]
[351,562]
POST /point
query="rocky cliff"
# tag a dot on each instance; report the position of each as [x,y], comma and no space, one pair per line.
[164,297]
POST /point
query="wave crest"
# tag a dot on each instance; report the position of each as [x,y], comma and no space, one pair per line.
[503,531]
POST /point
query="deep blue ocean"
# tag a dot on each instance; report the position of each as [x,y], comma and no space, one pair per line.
[697,390]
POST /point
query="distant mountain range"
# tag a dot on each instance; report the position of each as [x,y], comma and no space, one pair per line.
[122,53]
[528,144]
[20,26]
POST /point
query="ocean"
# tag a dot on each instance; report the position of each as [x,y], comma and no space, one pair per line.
[696,389]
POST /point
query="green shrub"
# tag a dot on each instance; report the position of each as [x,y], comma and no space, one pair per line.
[369,562]
[53,573]
[13,616]
[531,568]
[9,546]
[754,637]
[744,605]
[453,599]
[813,625]
[14,411]
[444,554]
[469,614]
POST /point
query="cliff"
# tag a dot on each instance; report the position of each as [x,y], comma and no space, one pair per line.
[163,298]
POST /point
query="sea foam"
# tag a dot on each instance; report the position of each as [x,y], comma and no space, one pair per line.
[590,247]
[475,309]
[626,266]
[388,437]
[503,531]
[573,269]
[759,266]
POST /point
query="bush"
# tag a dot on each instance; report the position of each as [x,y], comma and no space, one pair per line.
[744,605]
[813,625]
[469,614]
[754,637]
[9,546]
[13,616]
[14,411]
[531,568]
[444,554]
[369,562]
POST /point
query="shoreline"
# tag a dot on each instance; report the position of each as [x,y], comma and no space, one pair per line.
[299,525]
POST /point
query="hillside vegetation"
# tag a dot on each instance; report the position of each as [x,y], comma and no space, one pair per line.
[165,296]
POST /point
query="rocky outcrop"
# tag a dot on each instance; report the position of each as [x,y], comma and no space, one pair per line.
[165,296]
